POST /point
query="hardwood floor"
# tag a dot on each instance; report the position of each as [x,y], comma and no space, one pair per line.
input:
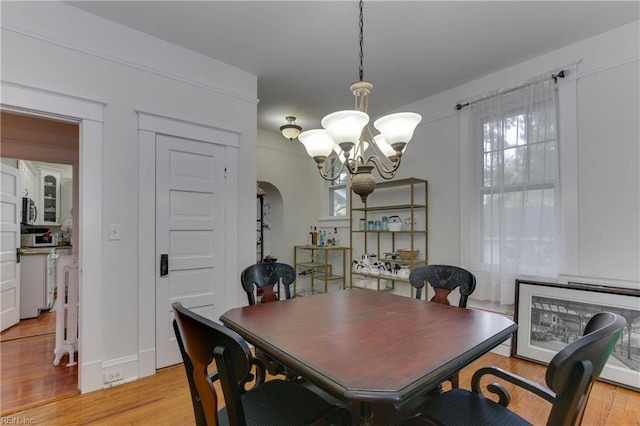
[27,375]
[45,323]
[163,399]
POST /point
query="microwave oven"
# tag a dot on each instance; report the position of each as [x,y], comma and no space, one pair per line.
[46,239]
[29,211]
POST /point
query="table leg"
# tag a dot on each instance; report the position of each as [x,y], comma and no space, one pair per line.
[366,416]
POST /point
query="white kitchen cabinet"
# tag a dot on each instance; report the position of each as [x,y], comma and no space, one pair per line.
[29,179]
[49,206]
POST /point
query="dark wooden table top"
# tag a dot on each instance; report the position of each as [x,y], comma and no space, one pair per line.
[370,346]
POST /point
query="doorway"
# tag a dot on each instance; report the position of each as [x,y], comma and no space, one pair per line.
[273,224]
[40,140]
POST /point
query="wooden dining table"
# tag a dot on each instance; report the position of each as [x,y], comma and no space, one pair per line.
[370,347]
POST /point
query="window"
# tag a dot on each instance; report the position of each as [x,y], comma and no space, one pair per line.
[510,192]
[519,188]
[337,190]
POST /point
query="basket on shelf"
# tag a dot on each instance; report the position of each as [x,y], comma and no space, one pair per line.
[407,254]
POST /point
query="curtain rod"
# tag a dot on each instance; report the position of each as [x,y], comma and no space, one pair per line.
[555,77]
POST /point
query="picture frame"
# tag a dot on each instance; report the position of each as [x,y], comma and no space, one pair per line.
[551,315]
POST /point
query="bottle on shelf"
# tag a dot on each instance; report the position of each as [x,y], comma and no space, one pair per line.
[314,237]
[336,241]
[320,239]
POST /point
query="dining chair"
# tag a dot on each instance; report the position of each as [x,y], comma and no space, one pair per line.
[265,276]
[248,398]
[198,410]
[444,279]
[569,377]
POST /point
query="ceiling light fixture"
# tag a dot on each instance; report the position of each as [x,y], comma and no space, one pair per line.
[345,132]
[290,130]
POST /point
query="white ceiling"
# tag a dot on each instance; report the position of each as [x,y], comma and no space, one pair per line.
[305,53]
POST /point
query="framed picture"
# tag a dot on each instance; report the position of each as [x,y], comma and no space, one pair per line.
[551,315]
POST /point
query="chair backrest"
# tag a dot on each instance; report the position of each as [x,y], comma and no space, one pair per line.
[443,279]
[205,341]
[198,410]
[573,370]
[265,276]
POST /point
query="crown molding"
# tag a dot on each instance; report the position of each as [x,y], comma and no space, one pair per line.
[122,61]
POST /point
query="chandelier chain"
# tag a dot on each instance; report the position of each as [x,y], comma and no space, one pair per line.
[361,69]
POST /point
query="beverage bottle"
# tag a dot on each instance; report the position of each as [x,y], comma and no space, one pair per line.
[335,237]
[314,237]
[320,239]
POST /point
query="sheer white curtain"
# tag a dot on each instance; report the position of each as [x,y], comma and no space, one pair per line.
[510,189]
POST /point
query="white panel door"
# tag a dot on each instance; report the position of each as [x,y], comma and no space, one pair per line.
[190,231]
[10,214]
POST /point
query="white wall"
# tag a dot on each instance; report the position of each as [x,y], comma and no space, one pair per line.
[57,48]
[603,185]
[605,240]
[286,165]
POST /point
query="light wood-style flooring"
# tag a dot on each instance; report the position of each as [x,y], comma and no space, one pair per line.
[163,399]
[27,375]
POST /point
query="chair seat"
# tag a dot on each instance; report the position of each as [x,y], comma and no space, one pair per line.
[273,403]
[464,408]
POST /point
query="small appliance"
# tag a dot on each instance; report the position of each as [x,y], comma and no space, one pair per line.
[29,211]
[46,239]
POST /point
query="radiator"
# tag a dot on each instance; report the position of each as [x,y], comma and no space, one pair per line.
[66,308]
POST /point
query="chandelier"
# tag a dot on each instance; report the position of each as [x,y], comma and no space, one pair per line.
[347,134]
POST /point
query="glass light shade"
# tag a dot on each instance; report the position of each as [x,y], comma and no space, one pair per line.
[290,131]
[398,127]
[386,149]
[318,142]
[345,126]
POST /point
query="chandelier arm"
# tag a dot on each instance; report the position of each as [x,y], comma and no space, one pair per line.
[353,165]
[328,176]
[383,160]
[383,171]
[374,145]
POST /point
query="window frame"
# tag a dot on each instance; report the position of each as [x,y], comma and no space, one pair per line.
[334,186]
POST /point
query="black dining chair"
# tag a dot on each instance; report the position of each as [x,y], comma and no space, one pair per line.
[266,276]
[248,398]
[198,410]
[444,279]
[570,377]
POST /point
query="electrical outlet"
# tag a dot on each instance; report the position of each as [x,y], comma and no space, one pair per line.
[113,376]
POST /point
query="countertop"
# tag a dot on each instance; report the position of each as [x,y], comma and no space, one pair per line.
[30,251]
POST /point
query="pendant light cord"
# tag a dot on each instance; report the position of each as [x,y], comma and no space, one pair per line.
[361,69]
